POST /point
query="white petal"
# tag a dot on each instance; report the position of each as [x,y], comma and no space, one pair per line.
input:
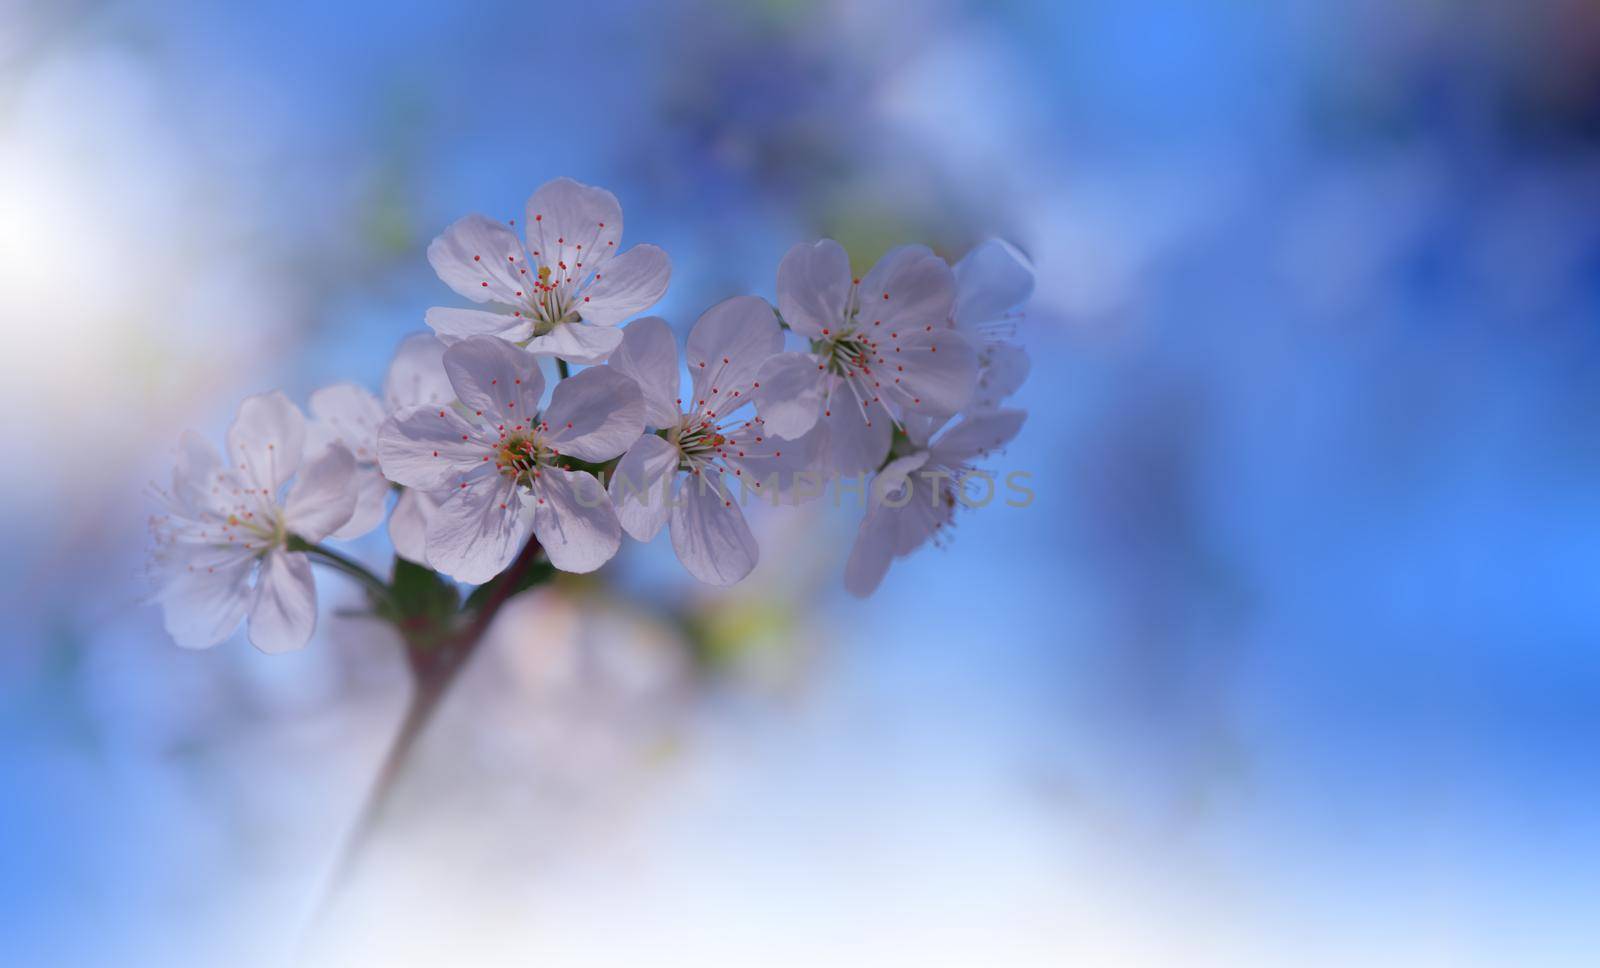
[284,613]
[203,598]
[848,443]
[910,288]
[416,374]
[729,343]
[372,499]
[324,495]
[709,532]
[195,472]
[640,486]
[814,287]
[570,222]
[349,414]
[991,280]
[895,476]
[788,391]
[577,343]
[480,259]
[932,372]
[478,528]
[869,556]
[496,380]
[430,448]
[1003,368]
[454,325]
[574,521]
[627,285]
[266,440]
[649,355]
[594,415]
[761,461]
[977,434]
[408,525]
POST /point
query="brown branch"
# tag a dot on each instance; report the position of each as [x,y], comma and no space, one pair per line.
[433,670]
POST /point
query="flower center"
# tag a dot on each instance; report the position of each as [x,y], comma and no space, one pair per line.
[520,457]
[699,441]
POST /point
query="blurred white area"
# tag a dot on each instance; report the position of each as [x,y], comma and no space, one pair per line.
[133,295]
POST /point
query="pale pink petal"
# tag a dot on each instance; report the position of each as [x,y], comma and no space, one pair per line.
[764,464]
[430,448]
[204,596]
[372,499]
[626,286]
[649,355]
[1003,368]
[573,227]
[910,288]
[709,532]
[480,259]
[284,613]
[977,434]
[850,443]
[577,343]
[991,280]
[869,556]
[454,325]
[574,520]
[408,524]
[267,439]
[349,414]
[930,372]
[478,528]
[788,391]
[814,287]
[494,379]
[641,488]
[416,374]
[594,415]
[727,346]
[324,495]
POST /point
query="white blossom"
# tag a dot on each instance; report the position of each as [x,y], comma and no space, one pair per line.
[706,457]
[221,543]
[880,350]
[915,497]
[348,414]
[494,460]
[563,293]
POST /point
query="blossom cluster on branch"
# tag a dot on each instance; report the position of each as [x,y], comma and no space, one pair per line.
[900,375]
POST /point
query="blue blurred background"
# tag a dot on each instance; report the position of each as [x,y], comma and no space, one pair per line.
[1292,662]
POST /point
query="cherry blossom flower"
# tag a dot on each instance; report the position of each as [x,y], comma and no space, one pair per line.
[565,291]
[692,475]
[914,498]
[880,349]
[348,414]
[222,542]
[496,458]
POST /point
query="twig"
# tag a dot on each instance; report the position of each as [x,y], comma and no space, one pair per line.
[433,670]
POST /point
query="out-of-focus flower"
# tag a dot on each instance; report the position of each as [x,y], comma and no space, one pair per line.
[880,349]
[349,414]
[496,456]
[565,291]
[914,498]
[222,544]
[677,476]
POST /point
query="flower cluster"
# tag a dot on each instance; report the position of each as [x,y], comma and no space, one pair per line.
[899,375]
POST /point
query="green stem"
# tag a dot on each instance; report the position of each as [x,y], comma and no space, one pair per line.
[561,368]
[378,587]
